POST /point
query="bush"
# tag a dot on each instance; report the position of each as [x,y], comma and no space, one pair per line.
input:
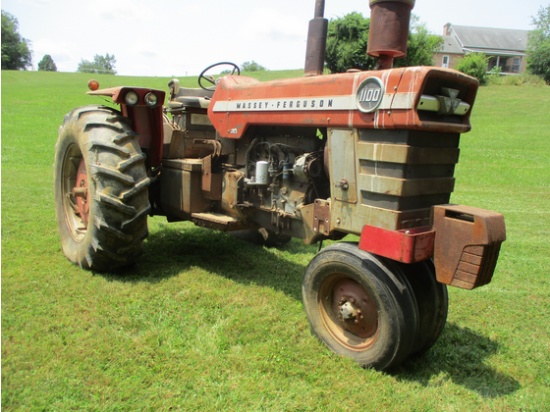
[524,79]
[475,65]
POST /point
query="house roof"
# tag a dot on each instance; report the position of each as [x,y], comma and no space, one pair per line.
[490,40]
[451,45]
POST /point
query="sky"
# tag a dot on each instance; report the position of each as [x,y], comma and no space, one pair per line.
[181,37]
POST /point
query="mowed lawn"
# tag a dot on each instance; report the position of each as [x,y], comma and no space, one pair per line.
[208,322]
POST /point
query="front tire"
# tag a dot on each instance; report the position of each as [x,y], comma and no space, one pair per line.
[360,305]
[433,303]
[100,187]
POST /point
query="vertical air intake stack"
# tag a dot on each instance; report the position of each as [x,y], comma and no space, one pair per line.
[316,41]
[389,30]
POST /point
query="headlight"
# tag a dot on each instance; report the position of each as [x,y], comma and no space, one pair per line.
[131,98]
[151,99]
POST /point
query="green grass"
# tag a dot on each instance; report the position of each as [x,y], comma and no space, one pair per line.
[207,322]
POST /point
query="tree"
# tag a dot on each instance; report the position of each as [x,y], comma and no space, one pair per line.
[347,41]
[538,47]
[47,64]
[252,67]
[421,46]
[16,54]
[475,65]
[101,64]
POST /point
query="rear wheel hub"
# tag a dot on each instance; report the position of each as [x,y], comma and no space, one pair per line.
[80,193]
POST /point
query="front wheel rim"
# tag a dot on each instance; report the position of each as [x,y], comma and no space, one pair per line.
[348,311]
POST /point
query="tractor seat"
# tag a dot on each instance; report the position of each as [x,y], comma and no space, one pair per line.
[186,101]
[189,97]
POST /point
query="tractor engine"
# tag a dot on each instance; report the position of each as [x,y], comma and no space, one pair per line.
[282,176]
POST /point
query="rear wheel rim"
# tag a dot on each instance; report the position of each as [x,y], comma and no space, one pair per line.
[75,192]
[348,311]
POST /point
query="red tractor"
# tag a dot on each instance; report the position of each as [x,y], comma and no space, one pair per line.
[368,153]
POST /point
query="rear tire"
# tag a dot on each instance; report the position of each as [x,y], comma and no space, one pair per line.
[360,305]
[100,187]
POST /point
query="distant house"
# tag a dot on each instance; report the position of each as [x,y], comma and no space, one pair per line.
[505,48]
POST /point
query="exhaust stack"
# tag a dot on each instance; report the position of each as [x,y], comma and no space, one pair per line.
[389,30]
[316,41]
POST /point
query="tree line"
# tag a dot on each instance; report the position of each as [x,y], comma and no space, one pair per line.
[346,47]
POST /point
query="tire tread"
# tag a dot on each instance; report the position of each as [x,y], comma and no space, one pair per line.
[117,184]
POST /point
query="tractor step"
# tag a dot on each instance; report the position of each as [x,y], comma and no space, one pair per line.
[216,221]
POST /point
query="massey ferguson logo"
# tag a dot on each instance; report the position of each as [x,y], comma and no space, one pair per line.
[285,104]
[370,94]
[318,103]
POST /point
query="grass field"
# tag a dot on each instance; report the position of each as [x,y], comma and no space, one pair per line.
[207,322]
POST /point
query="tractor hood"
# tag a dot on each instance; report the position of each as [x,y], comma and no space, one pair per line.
[415,98]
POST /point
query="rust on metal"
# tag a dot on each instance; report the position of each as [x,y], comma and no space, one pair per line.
[467,244]
[80,193]
[389,30]
[211,182]
[321,217]
[217,221]
[349,311]
[355,308]
[316,41]
[232,182]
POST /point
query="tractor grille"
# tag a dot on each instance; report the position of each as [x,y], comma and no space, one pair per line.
[406,172]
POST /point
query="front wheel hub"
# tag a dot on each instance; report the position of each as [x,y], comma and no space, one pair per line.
[354,308]
[349,312]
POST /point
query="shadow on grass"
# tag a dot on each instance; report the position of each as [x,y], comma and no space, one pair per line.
[177,249]
[459,355]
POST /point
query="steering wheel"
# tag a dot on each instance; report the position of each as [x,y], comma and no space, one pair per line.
[213,81]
